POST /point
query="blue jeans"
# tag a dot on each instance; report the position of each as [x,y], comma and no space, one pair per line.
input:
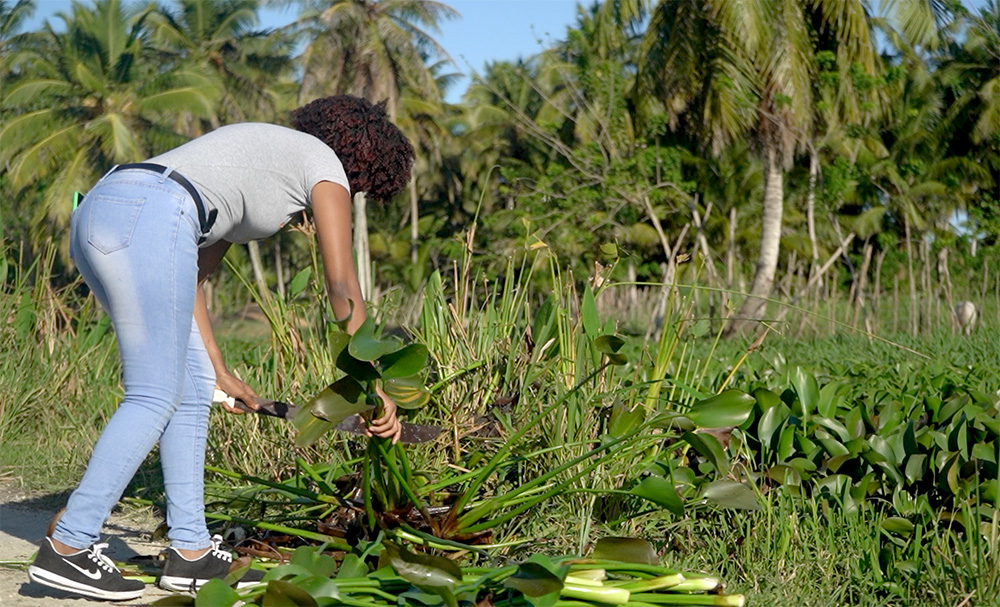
[134,239]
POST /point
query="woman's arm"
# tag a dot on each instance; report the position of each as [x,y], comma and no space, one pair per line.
[331,206]
[208,261]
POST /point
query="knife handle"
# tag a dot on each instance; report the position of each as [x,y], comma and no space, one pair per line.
[218,396]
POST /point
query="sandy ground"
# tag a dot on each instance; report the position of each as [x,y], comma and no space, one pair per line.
[24,518]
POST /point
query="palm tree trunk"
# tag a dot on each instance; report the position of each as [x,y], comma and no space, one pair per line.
[258,267]
[877,290]
[914,312]
[770,243]
[362,256]
[811,209]
[279,269]
[414,216]
[730,258]
[860,302]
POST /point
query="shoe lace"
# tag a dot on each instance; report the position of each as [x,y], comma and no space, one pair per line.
[97,555]
[217,552]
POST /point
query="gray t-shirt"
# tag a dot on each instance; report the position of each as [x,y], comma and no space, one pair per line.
[258,176]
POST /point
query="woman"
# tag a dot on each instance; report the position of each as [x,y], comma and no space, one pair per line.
[145,238]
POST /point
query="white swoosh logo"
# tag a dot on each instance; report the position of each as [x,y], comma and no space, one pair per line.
[94,575]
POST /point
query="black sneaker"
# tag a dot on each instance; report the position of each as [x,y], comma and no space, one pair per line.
[87,572]
[184,575]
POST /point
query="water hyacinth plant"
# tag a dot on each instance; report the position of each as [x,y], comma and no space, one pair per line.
[620,571]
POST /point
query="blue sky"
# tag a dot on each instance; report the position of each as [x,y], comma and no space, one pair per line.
[488,30]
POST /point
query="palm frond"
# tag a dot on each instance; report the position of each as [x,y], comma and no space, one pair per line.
[115,138]
[24,94]
[41,159]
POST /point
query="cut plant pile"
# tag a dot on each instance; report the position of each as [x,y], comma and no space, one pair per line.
[621,571]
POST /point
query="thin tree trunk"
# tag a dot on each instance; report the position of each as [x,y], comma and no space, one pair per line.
[860,306]
[632,293]
[730,258]
[914,311]
[706,252]
[361,253]
[279,269]
[944,280]
[925,287]
[664,242]
[258,267]
[414,217]
[811,209]
[986,282]
[877,304]
[770,243]
[895,303]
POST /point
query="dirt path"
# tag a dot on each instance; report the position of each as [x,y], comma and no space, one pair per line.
[24,518]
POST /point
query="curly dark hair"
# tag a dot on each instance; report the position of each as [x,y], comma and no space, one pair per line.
[376,155]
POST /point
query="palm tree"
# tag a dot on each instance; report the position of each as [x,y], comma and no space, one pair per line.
[252,67]
[12,17]
[93,99]
[370,48]
[729,69]
[373,49]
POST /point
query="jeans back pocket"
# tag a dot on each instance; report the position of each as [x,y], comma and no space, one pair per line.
[111,221]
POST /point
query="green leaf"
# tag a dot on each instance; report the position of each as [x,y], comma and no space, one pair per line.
[216,593]
[807,389]
[770,422]
[659,491]
[589,316]
[366,346]
[731,408]
[340,400]
[833,447]
[626,550]
[786,443]
[24,321]
[360,370]
[829,400]
[353,566]
[731,494]
[533,580]
[407,392]
[299,282]
[280,593]
[423,570]
[309,428]
[766,399]
[834,426]
[709,447]
[320,587]
[622,420]
[316,562]
[898,524]
[785,474]
[287,570]
[984,452]
[610,346]
[915,467]
[404,363]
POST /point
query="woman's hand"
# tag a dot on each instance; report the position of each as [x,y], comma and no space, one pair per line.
[388,425]
[238,389]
